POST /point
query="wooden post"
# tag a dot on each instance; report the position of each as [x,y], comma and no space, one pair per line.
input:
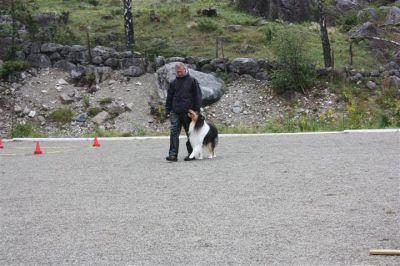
[384,252]
[223,54]
[333,58]
[351,52]
[216,47]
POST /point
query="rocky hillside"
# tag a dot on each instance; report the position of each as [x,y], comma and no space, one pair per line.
[78,87]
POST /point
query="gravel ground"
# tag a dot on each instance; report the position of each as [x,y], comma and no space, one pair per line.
[268,200]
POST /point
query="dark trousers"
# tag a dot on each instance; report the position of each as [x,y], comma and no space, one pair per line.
[177,121]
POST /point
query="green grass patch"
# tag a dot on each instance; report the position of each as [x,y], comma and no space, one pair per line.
[26,131]
[62,115]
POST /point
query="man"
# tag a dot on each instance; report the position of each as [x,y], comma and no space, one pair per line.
[184,93]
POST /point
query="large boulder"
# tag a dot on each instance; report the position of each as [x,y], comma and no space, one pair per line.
[51,47]
[134,71]
[244,66]
[47,19]
[101,118]
[290,10]
[393,17]
[212,87]
[39,60]
[365,30]
[346,5]
[64,65]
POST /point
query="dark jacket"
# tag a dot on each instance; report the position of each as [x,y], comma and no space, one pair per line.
[184,93]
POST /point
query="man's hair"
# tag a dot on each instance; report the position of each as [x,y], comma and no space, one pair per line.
[180,65]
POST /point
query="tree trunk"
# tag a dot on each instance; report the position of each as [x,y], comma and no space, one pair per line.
[129,33]
[326,46]
[13,30]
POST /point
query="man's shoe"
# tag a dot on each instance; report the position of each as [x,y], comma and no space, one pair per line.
[171,158]
[187,158]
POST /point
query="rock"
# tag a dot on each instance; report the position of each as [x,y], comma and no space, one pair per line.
[346,5]
[393,17]
[112,62]
[219,63]
[17,109]
[103,52]
[81,118]
[55,57]
[244,66]
[32,114]
[134,71]
[62,82]
[102,74]
[129,107]
[78,72]
[393,82]
[371,85]
[51,47]
[39,60]
[66,99]
[212,87]
[236,109]
[116,109]
[175,59]
[247,49]
[26,110]
[128,62]
[42,120]
[368,14]
[93,88]
[234,28]
[391,66]
[365,30]
[64,65]
[46,19]
[19,55]
[159,61]
[32,48]
[77,54]
[262,76]
[396,58]
[101,117]
[97,60]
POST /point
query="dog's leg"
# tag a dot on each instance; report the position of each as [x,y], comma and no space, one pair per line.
[201,152]
[195,152]
[210,151]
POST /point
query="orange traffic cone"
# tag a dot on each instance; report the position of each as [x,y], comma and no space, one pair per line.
[1,144]
[38,149]
[96,143]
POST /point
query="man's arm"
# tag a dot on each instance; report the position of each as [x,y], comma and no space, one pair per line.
[197,96]
[170,96]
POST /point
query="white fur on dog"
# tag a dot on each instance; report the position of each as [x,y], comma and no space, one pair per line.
[196,138]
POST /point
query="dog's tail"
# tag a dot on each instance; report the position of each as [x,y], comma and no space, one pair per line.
[213,135]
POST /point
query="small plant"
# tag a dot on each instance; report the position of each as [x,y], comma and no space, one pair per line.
[158,112]
[347,21]
[93,2]
[26,130]
[294,69]
[207,24]
[106,101]
[94,111]
[86,101]
[62,115]
[10,67]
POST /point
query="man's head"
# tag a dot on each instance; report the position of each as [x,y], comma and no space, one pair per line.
[180,69]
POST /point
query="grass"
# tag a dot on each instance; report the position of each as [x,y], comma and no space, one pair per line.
[62,115]
[26,131]
[198,39]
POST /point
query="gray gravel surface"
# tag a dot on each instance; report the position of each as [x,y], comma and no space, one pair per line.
[268,200]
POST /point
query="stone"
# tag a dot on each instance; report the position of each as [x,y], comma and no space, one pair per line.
[51,47]
[26,110]
[219,63]
[17,109]
[393,82]
[159,61]
[391,66]
[64,65]
[262,76]
[19,55]
[101,118]
[244,66]
[128,62]
[346,5]
[46,19]
[112,62]
[32,114]
[365,30]
[393,17]
[55,57]
[97,60]
[39,60]
[368,14]
[116,109]
[103,52]
[81,118]
[129,107]
[234,28]
[78,72]
[236,109]
[62,82]
[175,59]
[102,73]
[134,71]
[66,99]
[212,87]
[371,85]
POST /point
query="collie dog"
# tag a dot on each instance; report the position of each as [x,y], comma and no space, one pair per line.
[202,136]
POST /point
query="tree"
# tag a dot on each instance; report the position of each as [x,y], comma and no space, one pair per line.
[128,17]
[326,46]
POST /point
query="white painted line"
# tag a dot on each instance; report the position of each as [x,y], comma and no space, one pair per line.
[221,135]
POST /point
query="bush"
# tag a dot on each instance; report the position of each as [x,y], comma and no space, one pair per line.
[106,101]
[294,69]
[155,47]
[10,67]
[26,130]
[94,111]
[93,2]
[62,115]
[207,24]
[347,21]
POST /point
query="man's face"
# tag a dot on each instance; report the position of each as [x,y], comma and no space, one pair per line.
[180,71]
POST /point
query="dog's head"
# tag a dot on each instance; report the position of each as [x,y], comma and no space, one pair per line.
[197,119]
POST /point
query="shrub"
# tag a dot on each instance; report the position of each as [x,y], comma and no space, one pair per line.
[347,21]
[10,67]
[26,130]
[155,47]
[207,24]
[93,2]
[94,111]
[106,101]
[86,101]
[62,115]
[294,69]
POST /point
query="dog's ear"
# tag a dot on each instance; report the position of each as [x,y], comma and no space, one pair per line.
[201,117]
